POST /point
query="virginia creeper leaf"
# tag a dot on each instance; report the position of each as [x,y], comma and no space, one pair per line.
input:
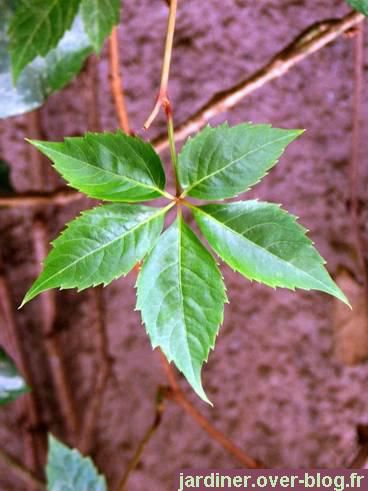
[266,244]
[99,17]
[181,295]
[36,28]
[68,470]
[108,166]
[99,246]
[360,5]
[43,75]
[222,162]
[12,385]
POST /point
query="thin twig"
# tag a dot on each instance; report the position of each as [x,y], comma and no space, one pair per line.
[355,151]
[58,197]
[179,397]
[159,409]
[116,82]
[311,40]
[162,98]
[28,404]
[54,353]
[92,414]
[27,476]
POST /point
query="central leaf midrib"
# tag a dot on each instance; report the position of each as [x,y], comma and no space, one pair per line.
[262,249]
[155,215]
[181,291]
[197,183]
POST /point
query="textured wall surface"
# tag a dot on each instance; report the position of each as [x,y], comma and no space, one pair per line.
[277,388]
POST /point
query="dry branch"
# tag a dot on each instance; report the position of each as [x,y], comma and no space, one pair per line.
[311,40]
[27,476]
[53,350]
[180,398]
[117,83]
[59,197]
[28,404]
[92,414]
[159,409]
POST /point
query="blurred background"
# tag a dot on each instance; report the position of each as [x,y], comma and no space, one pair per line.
[288,377]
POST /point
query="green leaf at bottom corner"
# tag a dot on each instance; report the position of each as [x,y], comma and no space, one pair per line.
[12,385]
[68,470]
[264,243]
[181,295]
[99,246]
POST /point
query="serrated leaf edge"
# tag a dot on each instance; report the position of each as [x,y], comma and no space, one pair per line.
[341,295]
[29,295]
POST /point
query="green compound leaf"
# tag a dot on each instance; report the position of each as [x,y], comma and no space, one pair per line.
[181,295]
[99,246]
[68,470]
[222,162]
[108,166]
[12,385]
[36,28]
[42,76]
[266,244]
[360,5]
[99,18]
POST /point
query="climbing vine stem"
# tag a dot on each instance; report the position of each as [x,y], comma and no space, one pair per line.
[162,98]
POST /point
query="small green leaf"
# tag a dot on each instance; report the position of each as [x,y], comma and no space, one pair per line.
[5,183]
[108,166]
[12,385]
[360,5]
[68,470]
[99,18]
[42,76]
[99,246]
[36,28]
[181,295]
[266,244]
[222,162]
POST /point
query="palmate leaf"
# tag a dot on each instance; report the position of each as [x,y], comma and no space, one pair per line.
[181,295]
[99,17]
[266,244]
[99,246]
[222,162]
[36,28]
[360,5]
[108,166]
[12,385]
[68,470]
